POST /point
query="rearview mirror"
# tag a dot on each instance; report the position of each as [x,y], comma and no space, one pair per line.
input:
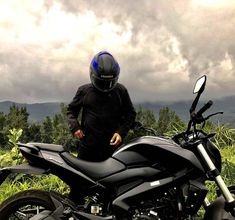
[200,85]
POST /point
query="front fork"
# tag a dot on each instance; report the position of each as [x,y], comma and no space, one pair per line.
[218,179]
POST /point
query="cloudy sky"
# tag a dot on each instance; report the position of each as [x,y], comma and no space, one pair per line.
[162,46]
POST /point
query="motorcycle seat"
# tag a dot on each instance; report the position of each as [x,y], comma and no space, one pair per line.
[95,170]
[44,146]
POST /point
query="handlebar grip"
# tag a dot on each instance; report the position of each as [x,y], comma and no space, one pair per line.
[204,108]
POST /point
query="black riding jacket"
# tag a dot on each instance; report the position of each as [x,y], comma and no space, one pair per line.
[103,114]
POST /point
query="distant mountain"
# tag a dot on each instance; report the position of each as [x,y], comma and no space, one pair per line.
[38,111]
[181,108]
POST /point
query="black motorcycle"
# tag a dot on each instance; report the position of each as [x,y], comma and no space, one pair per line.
[149,178]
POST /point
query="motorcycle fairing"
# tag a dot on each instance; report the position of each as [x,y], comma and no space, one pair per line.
[130,174]
[146,187]
[150,149]
[147,140]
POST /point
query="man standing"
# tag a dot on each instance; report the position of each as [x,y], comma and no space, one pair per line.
[107,110]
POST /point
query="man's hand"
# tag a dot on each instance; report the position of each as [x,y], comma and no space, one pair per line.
[116,140]
[79,134]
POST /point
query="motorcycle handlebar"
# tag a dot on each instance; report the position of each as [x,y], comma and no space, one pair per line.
[204,108]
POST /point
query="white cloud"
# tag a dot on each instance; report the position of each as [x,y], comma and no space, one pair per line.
[162,47]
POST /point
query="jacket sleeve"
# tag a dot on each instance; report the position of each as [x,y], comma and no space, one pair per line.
[73,110]
[128,114]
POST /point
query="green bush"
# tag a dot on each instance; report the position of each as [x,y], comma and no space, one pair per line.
[12,157]
[22,182]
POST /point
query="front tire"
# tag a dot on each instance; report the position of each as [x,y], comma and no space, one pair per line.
[26,204]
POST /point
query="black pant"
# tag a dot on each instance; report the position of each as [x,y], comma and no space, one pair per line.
[94,153]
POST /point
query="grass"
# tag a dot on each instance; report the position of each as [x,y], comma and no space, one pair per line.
[24,182]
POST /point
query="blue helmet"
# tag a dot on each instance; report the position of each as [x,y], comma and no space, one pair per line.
[104,71]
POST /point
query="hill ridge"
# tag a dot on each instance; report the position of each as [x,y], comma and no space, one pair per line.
[38,111]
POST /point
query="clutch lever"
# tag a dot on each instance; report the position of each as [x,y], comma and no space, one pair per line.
[217,113]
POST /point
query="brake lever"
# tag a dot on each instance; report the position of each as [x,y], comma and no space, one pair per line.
[213,115]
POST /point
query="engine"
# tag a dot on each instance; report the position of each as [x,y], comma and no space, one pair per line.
[174,203]
[166,206]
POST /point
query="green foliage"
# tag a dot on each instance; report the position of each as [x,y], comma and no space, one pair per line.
[34,133]
[228,168]
[169,121]
[225,136]
[54,130]
[49,182]
[47,130]
[14,136]
[61,134]
[16,118]
[12,157]
[147,118]
[50,130]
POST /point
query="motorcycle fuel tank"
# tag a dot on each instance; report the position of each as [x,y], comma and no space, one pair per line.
[151,150]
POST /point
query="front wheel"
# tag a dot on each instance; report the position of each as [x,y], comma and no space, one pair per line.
[26,204]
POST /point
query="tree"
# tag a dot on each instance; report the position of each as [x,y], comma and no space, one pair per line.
[3,138]
[61,133]
[169,121]
[147,118]
[17,118]
[47,130]
[54,130]
[2,120]
[34,133]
